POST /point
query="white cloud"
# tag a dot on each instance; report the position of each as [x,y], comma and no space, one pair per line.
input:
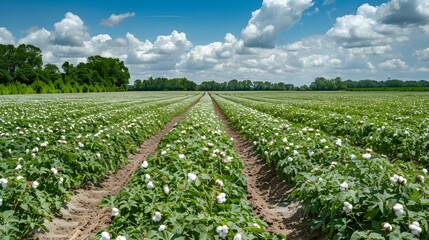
[162,54]
[393,64]
[6,37]
[273,17]
[422,54]
[391,22]
[327,2]
[404,12]
[208,56]
[114,19]
[71,31]
[38,37]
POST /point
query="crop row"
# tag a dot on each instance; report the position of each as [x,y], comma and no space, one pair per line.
[42,160]
[351,193]
[392,137]
[191,188]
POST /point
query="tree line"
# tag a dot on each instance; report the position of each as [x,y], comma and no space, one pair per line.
[183,84]
[321,83]
[22,72]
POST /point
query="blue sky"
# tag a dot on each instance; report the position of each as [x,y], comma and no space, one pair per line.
[285,40]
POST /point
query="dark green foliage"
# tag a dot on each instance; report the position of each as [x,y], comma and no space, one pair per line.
[22,72]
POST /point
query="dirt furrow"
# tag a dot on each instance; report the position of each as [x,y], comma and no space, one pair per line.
[266,192]
[82,217]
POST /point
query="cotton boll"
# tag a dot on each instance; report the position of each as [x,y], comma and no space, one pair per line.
[147,177]
[54,171]
[221,198]
[144,164]
[166,190]
[222,231]
[35,184]
[115,212]
[105,236]
[157,217]
[162,228]
[219,183]
[347,207]
[344,186]
[386,227]
[192,177]
[121,238]
[415,228]
[366,156]
[238,236]
[150,185]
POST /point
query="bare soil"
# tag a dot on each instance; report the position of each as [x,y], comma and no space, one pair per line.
[267,192]
[82,217]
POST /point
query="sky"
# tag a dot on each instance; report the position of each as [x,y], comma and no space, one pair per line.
[290,41]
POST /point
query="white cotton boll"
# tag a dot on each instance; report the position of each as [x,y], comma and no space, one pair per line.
[347,207]
[221,198]
[295,153]
[1,201]
[20,159]
[19,167]
[344,186]
[19,178]
[144,164]
[339,142]
[9,151]
[166,190]
[61,181]
[322,140]
[163,153]
[162,228]
[352,156]
[366,156]
[386,227]
[394,179]
[157,217]
[222,231]
[191,177]
[219,183]
[54,171]
[147,177]
[415,228]
[290,159]
[425,171]
[402,180]
[150,185]
[238,237]
[105,236]
[284,140]
[98,155]
[35,150]
[121,238]
[115,212]
[399,209]
[80,145]
[35,184]
[181,156]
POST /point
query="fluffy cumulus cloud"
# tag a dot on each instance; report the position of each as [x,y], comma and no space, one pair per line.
[115,19]
[71,31]
[162,54]
[273,17]
[422,54]
[6,37]
[393,64]
[404,12]
[391,22]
